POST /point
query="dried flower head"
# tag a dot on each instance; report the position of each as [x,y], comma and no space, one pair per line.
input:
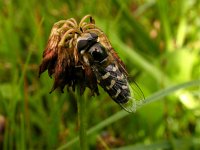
[81,55]
[61,57]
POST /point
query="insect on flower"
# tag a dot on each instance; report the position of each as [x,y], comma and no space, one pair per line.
[81,55]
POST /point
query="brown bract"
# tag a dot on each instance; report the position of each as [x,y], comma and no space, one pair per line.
[62,59]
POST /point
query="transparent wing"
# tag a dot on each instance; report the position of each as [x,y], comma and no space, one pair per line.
[136,97]
[135,100]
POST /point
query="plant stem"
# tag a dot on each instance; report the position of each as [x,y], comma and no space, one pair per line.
[82,122]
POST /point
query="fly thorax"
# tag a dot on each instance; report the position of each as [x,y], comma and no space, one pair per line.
[98,53]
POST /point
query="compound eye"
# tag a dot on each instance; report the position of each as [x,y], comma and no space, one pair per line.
[82,44]
[86,41]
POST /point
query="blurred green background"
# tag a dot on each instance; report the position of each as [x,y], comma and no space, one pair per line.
[159,41]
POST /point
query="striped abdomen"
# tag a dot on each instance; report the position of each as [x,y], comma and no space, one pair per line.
[115,83]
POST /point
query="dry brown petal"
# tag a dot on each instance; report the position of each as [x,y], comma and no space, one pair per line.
[50,53]
[48,60]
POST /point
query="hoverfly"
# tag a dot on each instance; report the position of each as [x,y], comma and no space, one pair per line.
[81,54]
[109,70]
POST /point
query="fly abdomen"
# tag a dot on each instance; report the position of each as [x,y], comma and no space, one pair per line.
[114,82]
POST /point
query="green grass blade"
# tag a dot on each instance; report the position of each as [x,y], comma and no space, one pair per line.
[163,8]
[165,144]
[182,26]
[121,114]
